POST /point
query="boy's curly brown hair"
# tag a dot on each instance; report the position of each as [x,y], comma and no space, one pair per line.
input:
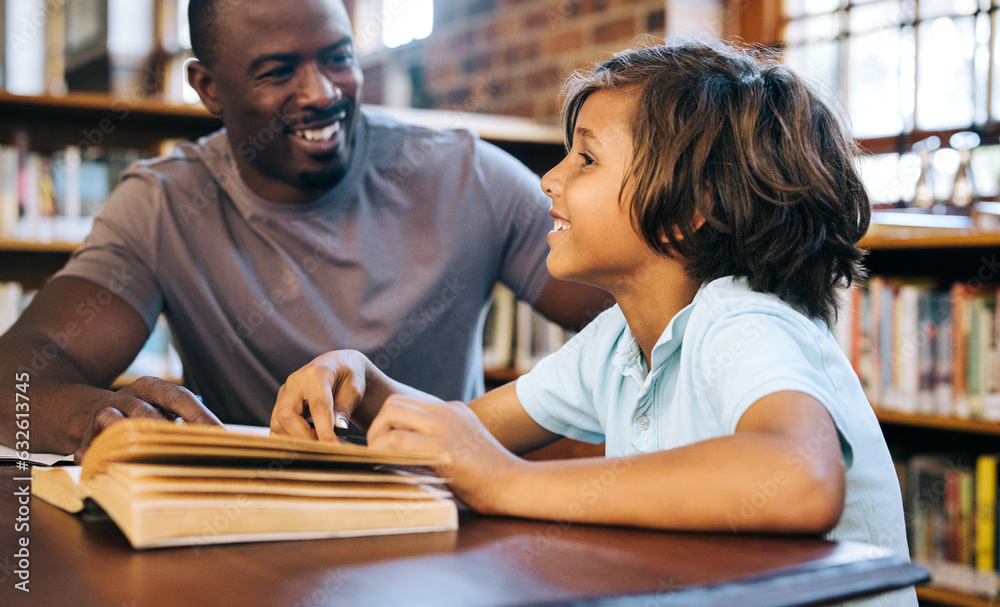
[743,141]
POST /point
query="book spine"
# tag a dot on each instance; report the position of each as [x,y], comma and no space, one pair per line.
[986,494]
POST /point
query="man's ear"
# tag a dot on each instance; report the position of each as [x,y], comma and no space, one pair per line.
[203,82]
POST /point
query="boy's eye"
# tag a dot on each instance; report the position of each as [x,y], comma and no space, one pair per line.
[587,159]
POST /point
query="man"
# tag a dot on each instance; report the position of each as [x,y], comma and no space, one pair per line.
[305,226]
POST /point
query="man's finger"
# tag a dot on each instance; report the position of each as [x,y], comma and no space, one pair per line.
[288,416]
[102,420]
[321,405]
[172,398]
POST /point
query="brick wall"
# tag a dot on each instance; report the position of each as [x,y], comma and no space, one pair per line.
[509,56]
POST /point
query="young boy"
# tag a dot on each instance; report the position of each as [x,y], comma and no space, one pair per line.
[715,197]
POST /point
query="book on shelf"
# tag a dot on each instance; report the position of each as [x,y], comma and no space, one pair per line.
[922,347]
[13,300]
[498,329]
[55,196]
[24,32]
[535,337]
[168,484]
[951,512]
[515,335]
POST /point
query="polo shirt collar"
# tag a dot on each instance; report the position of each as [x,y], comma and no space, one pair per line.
[628,357]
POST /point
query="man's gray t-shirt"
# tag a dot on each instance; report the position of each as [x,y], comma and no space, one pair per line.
[397,261]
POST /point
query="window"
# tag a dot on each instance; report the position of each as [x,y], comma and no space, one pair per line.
[912,74]
[899,65]
[412,20]
[382,24]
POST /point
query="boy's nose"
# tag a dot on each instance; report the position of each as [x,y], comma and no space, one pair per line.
[551,182]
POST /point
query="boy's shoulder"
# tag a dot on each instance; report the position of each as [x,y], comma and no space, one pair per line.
[600,336]
[731,293]
[730,297]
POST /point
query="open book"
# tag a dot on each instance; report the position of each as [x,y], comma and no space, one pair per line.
[167,484]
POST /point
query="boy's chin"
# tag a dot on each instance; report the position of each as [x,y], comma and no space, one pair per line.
[562,273]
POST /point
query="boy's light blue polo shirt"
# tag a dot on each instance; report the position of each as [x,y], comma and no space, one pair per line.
[729,348]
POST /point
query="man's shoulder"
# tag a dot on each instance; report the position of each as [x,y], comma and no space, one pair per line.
[187,159]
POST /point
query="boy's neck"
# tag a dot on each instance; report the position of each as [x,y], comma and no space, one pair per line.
[649,309]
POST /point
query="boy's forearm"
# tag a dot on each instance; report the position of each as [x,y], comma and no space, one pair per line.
[756,484]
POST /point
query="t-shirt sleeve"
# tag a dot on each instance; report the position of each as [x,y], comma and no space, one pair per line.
[522,212]
[557,393]
[119,253]
[749,356]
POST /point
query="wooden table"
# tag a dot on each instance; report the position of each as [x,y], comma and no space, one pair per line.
[488,561]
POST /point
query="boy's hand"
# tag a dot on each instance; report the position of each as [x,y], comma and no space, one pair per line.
[328,389]
[479,464]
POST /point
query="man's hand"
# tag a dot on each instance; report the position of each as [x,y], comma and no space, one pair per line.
[150,398]
[328,389]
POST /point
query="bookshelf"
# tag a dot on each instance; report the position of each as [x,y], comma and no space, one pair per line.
[950,256]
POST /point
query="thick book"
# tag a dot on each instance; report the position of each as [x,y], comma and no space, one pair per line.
[167,484]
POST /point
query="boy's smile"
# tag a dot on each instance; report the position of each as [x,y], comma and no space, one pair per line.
[593,239]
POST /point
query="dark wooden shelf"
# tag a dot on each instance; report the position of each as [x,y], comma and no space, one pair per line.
[496,376]
[938,422]
[80,103]
[31,246]
[884,237]
[933,595]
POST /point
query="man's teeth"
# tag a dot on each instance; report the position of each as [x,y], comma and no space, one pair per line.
[319,134]
[560,224]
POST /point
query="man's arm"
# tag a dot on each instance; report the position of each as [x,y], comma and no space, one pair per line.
[572,304]
[73,340]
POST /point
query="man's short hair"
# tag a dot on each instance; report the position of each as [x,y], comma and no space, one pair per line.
[203,23]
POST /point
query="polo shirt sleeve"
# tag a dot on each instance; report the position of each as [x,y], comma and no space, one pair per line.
[747,356]
[522,214]
[559,391]
[119,253]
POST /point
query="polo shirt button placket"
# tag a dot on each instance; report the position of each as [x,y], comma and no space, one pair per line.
[643,422]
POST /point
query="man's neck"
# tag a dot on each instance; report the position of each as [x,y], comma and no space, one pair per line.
[280,192]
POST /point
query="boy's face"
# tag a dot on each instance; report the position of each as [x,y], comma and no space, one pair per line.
[287,85]
[593,240]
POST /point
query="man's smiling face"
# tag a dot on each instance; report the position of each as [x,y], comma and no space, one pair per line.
[288,87]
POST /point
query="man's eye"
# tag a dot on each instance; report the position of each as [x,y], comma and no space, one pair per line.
[280,72]
[340,59]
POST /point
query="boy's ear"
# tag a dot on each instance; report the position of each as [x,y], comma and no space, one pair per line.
[203,83]
[696,223]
